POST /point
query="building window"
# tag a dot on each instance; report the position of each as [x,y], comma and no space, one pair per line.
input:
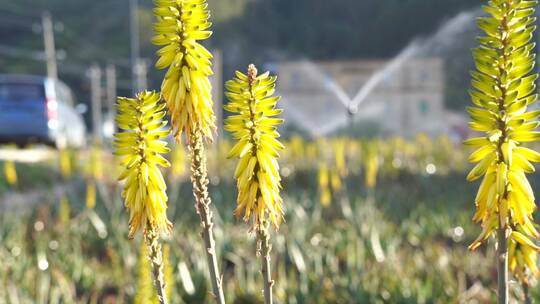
[423,107]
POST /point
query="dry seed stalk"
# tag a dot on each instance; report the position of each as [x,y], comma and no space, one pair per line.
[199,180]
[263,250]
[155,255]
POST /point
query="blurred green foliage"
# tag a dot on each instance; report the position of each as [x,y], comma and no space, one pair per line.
[90,31]
[405,241]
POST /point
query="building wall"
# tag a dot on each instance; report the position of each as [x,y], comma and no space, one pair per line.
[405,101]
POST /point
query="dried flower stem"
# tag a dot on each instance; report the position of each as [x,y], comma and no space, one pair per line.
[199,180]
[502,266]
[155,256]
[526,293]
[263,248]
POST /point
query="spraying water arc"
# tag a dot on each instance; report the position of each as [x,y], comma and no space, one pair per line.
[328,119]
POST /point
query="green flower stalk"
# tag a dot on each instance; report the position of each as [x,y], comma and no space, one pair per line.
[145,293]
[140,146]
[503,88]
[257,173]
[187,91]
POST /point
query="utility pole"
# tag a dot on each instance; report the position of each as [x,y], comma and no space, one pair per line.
[351,113]
[217,90]
[48,40]
[110,78]
[95,94]
[134,43]
[141,70]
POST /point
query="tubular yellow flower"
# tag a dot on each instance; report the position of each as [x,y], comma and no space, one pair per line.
[371,166]
[65,162]
[255,128]
[340,157]
[95,163]
[186,88]
[91,195]
[522,261]
[140,147]
[335,181]
[10,172]
[325,195]
[502,90]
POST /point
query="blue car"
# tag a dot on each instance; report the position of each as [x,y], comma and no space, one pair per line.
[35,109]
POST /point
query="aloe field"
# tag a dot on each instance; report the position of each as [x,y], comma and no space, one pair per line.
[369,221]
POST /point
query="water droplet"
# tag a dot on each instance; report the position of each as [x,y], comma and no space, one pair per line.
[431,169]
[285,171]
[43,264]
[53,245]
[39,226]
[457,233]
[15,251]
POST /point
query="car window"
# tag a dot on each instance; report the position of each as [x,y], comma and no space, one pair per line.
[21,92]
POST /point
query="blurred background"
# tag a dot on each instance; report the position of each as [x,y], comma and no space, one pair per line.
[377,206]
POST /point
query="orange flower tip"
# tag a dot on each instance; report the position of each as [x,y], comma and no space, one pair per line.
[252,72]
[474,246]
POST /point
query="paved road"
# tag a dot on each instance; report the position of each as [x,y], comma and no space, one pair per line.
[27,155]
[13,200]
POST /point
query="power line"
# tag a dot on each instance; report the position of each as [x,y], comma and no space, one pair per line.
[64,67]
[18,22]
[17,52]
[24,14]
[32,21]
[83,43]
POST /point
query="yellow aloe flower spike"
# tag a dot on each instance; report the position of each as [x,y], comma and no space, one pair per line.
[325,195]
[255,128]
[140,147]
[371,166]
[10,172]
[503,89]
[180,25]
[91,195]
[257,174]
[186,88]
[65,162]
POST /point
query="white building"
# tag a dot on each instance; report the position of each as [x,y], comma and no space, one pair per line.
[398,98]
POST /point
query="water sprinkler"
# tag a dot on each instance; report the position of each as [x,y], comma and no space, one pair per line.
[352,110]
